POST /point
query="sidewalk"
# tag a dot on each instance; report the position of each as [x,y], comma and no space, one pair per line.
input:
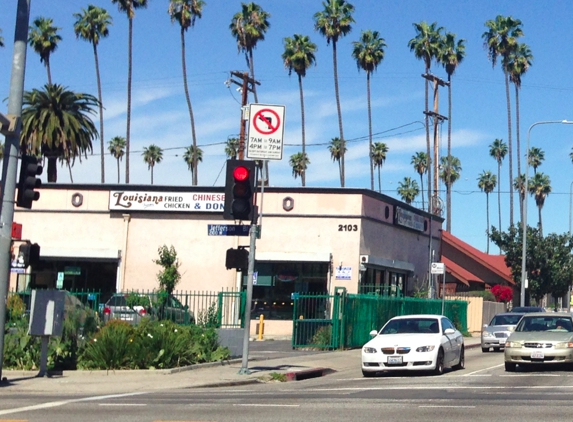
[197,376]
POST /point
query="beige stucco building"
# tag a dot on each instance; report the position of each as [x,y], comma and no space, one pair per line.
[106,237]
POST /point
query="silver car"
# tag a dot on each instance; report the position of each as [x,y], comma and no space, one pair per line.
[540,339]
[498,330]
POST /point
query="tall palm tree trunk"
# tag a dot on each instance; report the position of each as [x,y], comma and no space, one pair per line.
[509,147]
[118,171]
[99,96]
[129,70]
[379,181]
[252,69]
[499,193]
[487,219]
[422,190]
[342,141]
[428,149]
[52,168]
[540,222]
[70,171]
[192,119]
[370,136]
[517,140]
[49,71]
[151,174]
[303,175]
[449,194]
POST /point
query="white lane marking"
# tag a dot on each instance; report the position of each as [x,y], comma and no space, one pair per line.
[460,407]
[267,405]
[530,375]
[122,404]
[481,370]
[64,402]
[445,387]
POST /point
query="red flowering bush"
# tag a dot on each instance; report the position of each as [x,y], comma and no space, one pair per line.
[502,293]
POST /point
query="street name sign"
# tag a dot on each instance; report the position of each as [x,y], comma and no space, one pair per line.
[227,230]
[266,132]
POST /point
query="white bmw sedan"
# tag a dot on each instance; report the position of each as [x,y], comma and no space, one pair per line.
[415,343]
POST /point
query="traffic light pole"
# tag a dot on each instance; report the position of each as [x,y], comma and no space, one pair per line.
[247,319]
[12,137]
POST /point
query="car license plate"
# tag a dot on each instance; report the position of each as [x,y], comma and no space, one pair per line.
[394,360]
[537,355]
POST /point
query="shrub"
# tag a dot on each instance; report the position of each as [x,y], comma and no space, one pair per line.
[486,294]
[209,317]
[111,347]
[322,337]
[502,293]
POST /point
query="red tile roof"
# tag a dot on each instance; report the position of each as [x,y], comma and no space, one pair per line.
[460,273]
[495,263]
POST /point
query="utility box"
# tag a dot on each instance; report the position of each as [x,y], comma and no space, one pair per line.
[47,313]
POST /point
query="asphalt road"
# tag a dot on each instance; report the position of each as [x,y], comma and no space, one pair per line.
[482,391]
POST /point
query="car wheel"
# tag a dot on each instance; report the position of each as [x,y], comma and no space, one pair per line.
[368,374]
[462,362]
[510,367]
[439,369]
[485,349]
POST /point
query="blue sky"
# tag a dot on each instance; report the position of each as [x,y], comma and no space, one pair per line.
[159,112]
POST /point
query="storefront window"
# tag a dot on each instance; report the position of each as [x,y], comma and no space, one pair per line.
[275,283]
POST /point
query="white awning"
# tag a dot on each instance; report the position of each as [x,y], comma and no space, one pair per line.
[293,256]
[78,253]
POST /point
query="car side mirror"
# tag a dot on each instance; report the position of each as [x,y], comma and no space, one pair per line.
[373,333]
[449,331]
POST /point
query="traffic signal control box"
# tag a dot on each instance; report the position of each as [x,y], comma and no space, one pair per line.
[239,190]
[28,182]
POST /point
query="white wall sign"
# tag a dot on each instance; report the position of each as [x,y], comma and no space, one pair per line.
[438,268]
[343,273]
[266,132]
[166,201]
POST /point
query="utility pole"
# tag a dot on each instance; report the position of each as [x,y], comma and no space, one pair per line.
[247,84]
[438,118]
[11,132]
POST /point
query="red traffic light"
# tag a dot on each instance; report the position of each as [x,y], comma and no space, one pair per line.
[240,173]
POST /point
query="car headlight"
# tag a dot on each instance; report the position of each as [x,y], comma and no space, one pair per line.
[369,350]
[488,334]
[514,344]
[563,345]
[425,349]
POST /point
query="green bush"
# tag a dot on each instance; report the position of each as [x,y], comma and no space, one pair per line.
[209,317]
[486,294]
[110,348]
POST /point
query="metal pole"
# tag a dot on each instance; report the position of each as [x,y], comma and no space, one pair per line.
[524,222]
[253,239]
[568,304]
[10,166]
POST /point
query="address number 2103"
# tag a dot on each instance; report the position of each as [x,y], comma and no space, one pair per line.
[347,227]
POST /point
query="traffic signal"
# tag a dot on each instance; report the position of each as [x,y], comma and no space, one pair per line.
[237,258]
[34,255]
[28,182]
[28,254]
[239,190]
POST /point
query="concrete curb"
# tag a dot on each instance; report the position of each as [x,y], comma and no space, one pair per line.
[305,374]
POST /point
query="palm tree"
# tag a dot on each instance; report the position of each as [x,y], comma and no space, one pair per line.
[152,155]
[408,190]
[249,27]
[535,158]
[426,46]
[519,187]
[451,55]
[299,163]
[69,162]
[128,7]
[91,26]
[193,159]
[232,148]
[299,56]
[539,186]
[487,182]
[337,151]
[56,122]
[185,12]
[369,53]
[498,150]
[420,163]
[501,41]
[450,174]
[334,22]
[518,64]
[377,157]
[44,39]
[117,149]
